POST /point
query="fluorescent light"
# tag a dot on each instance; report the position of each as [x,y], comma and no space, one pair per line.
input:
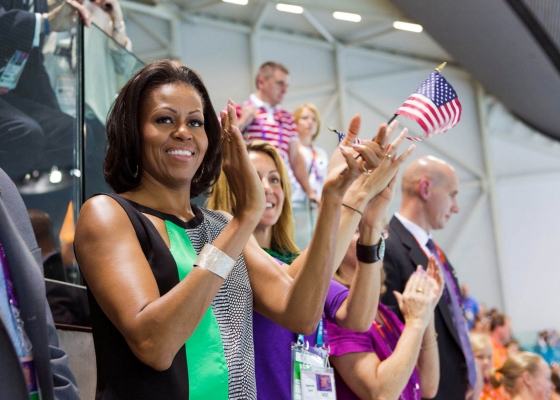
[407,26]
[239,2]
[289,8]
[347,16]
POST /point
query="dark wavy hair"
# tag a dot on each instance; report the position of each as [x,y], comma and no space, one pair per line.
[123,158]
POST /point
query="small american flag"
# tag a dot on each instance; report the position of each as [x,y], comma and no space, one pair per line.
[434,106]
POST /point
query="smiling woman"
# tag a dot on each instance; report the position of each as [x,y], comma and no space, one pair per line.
[172,286]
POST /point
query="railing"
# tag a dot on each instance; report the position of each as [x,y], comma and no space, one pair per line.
[54,100]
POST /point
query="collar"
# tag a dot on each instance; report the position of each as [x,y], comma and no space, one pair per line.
[419,234]
[262,104]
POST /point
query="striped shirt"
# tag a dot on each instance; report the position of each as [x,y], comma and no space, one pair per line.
[274,125]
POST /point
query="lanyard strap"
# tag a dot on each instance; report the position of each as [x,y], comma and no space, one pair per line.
[263,131]
[322,335]
[9,284]
[314,164]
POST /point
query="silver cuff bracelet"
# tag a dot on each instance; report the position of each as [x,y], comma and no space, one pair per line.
[214,260]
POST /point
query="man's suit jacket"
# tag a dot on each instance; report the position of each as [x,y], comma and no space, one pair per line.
[402,255]
[17,28]
[51,363]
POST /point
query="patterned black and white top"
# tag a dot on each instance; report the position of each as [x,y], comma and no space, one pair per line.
[120,375]
[233,308]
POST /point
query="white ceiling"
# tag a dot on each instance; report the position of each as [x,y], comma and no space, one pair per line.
[374,31]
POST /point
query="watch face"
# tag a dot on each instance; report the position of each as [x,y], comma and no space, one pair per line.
[381,249]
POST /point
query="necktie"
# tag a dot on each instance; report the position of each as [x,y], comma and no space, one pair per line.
[454,302]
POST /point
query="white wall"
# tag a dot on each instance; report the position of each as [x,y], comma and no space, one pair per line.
[506,252]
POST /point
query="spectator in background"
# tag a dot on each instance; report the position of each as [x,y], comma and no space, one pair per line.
[429,198]
[261,117]
[482,348]
[308,125]
[555,378]
[52,260]
[34,133]
[500,334]
[525,376]
[470,306]
[513,347]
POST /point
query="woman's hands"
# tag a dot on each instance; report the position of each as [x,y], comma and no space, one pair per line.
[415,301]
[377,160]
[435,277]
[240,172]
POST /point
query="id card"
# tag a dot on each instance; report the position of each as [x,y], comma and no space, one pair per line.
[318,385]
[306,359]
[12,71]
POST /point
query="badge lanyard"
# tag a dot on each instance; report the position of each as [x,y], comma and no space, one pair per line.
[312,376]
[314,165]
[280,125]
[25,354]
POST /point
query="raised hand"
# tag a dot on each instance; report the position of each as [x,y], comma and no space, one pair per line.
[240,172]
[340,178]
[414,302]
[435,277]
[64,17]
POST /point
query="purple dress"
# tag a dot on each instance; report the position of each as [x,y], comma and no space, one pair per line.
[380,340]
[273,356]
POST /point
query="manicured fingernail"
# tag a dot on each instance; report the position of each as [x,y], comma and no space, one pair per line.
[344,149]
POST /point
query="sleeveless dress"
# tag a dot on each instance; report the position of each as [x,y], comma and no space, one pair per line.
[217,361]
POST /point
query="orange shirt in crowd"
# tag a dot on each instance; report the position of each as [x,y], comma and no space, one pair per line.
[489,393]
[499,354]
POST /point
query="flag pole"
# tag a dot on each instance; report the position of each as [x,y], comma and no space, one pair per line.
[438,69]
[441,66]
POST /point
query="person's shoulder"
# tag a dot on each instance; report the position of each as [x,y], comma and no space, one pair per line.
[102,211]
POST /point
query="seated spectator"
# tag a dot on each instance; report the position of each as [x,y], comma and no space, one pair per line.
[352,309]
[482,348]
[525,376]
[390,360]
[470,306]
[500,334]
[308,125]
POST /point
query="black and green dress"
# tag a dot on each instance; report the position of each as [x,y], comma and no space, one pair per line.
[217,361]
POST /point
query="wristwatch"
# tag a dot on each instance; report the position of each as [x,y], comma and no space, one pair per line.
[370,254]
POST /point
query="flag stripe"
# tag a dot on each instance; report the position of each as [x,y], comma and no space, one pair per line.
[434,106]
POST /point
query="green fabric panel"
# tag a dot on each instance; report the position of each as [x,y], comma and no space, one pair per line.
[206,361]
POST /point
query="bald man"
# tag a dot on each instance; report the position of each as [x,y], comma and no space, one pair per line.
[429,199]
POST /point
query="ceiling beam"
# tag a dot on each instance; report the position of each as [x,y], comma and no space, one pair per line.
[319,27]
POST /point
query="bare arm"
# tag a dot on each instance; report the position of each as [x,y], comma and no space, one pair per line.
[297,304]
[358,310]
[371,378]
[428,362]
[115,268]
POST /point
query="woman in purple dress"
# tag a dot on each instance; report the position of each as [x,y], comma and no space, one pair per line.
[390,360]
